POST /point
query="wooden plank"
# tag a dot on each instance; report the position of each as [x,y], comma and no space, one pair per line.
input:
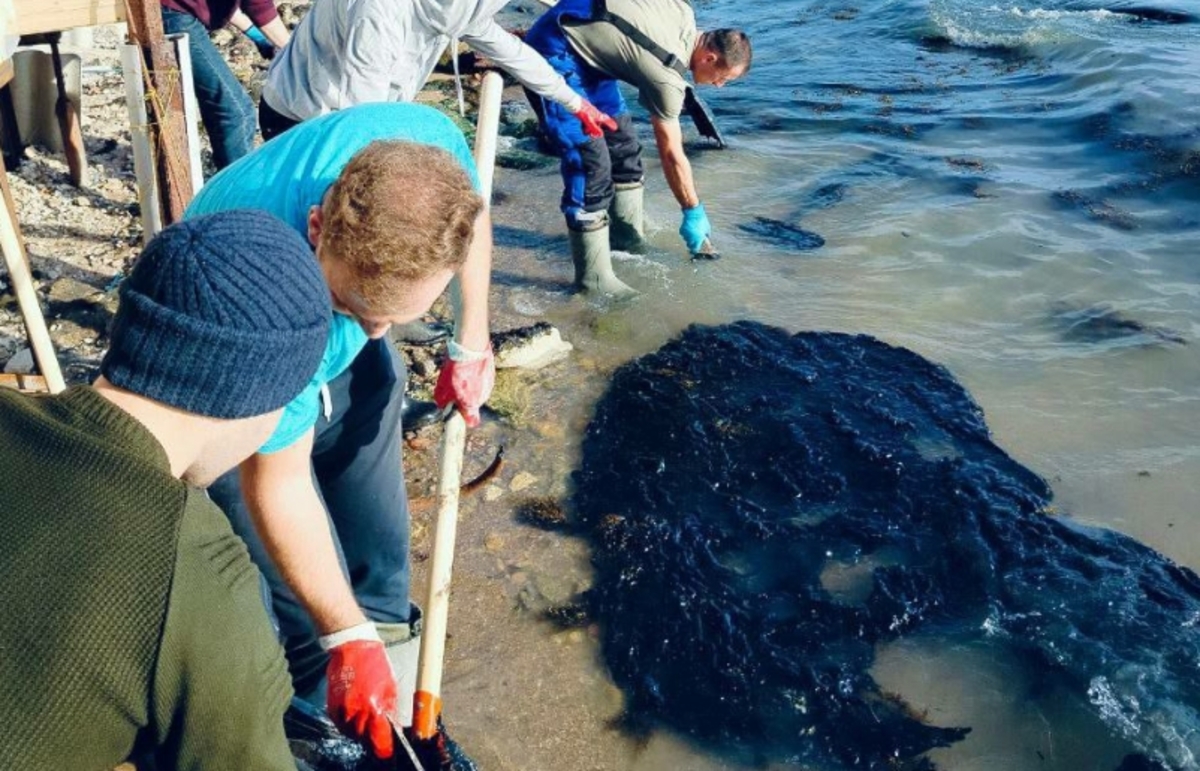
[34,384]
[52,15]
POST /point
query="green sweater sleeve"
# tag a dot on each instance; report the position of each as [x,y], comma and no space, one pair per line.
[221,683]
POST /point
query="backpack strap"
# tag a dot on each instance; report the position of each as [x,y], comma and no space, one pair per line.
[600,12]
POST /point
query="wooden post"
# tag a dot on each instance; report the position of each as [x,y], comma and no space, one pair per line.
[164,93]
[53,15]
[21,280]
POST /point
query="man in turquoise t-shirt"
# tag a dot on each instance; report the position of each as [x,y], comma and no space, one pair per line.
[386,195]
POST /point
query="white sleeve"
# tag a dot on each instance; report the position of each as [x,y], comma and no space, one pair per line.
[524,63]
[369,57]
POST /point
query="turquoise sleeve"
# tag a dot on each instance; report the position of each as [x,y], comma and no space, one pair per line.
[346,339]
[298,417]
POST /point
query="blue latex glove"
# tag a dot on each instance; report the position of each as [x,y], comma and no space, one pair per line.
[695,228]
[265,49]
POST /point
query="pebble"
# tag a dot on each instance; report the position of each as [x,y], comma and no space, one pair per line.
[522,481]
[493,542]
[492,492]
[424,367]
[68,289]
[21,363]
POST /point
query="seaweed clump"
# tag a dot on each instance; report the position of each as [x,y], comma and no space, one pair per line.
[727,475]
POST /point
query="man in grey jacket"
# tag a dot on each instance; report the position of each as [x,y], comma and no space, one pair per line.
[347,52]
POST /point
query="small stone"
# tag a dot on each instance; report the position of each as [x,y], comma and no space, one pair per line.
[522,481]
[66,290]
[493,542]
[423,367]
[519,578]
[82,200]
[21,363]
[529,347]
[546,513]
[576,636]
[492,492]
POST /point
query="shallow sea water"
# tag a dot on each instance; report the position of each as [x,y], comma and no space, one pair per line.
[987,177]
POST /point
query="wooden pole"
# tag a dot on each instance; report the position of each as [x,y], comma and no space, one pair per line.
[427,701]
[22,285]
[164,94]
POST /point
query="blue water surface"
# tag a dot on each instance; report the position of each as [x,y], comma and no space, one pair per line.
[1007,187]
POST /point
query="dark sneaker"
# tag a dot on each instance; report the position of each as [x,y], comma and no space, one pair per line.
[420,333]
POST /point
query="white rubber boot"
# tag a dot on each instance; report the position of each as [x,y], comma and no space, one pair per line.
[627,218]
[403,645]
[593,262]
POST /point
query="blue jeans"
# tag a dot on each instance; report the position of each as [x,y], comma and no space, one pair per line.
[225,107]
[589,166]
[357,470]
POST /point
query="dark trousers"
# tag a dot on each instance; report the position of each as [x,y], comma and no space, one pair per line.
[589,166]
[272,121]
[225,107]
[357,469]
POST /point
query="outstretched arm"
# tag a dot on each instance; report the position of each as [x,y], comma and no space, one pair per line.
[469,289]
[468,376]
[536,74]
[676,167]
[291,521]
[268,22]
[695,228]
[522,62]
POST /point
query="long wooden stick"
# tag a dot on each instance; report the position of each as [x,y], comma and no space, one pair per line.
[427,701]
[22,285]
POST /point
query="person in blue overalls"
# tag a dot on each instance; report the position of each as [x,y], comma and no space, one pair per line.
[652,45]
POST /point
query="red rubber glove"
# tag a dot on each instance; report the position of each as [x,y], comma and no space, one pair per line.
[467,379]
[362,694]
[594,122]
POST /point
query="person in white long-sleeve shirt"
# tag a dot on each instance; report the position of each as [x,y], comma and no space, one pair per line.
[347,52]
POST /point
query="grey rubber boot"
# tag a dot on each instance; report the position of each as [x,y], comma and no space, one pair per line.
[593,261]
[403,645]
[627,218]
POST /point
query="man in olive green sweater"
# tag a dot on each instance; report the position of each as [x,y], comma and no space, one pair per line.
[130,614]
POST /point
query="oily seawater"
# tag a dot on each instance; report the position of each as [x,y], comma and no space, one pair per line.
[727,476]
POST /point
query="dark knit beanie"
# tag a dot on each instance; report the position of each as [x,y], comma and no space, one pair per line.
[224,315]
